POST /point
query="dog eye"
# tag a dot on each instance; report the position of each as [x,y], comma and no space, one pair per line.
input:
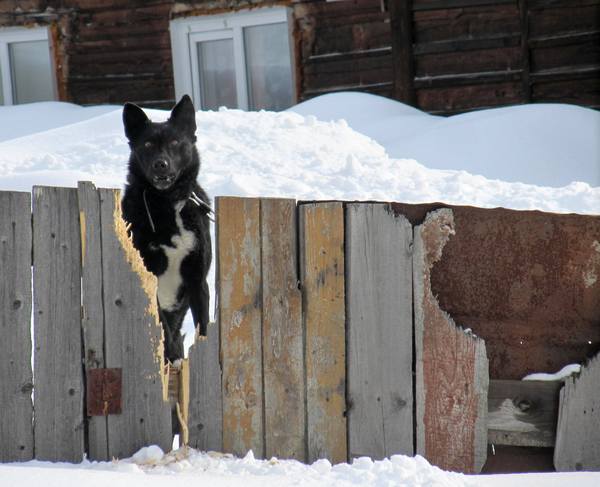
[148,144]
[174,142]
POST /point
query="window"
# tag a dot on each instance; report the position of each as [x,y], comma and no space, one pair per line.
[237,60]
[26,74]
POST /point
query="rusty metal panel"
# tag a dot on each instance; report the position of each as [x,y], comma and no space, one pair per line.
[104,390]
[528,282]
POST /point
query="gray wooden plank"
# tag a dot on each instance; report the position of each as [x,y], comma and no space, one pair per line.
[205,416]
[451,366]
[239,289]
[133,339]
[283,358]
[578,431]
[522,412]
[58,393]
[379,323]
[324,311]
[92,310]
[16,376]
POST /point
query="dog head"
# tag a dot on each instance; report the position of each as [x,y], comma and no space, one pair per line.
[162,152]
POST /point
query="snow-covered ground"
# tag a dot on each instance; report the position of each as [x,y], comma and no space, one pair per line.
[543,157]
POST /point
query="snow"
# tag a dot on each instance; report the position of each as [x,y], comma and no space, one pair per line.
[561,375]
[542,144]
[343,146]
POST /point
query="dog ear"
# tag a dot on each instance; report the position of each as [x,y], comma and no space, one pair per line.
[183,116]
[134,120]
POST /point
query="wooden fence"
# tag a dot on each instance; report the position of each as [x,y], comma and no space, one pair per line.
[330,342]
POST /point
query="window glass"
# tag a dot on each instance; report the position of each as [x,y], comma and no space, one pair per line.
[31,71]
[268,68]
[217,74]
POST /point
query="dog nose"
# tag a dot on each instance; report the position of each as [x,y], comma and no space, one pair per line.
[160,165]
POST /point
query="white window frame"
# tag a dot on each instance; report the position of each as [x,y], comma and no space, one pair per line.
[11,35]
[187,32]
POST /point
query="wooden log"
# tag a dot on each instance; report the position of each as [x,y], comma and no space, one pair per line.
[133,339]
[379,321]
[59,424]
[205,417]
[239,291]
[578,431]
[92,311]
[16,376]
[522,412]
[283,361]
[324,311]
[451,366]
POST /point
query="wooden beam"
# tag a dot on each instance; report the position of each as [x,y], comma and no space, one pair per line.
[451,365]
[522,412]
[578,431]
[16,376]
[379,322]
[59,431]
[401,19]
[324,310]
[525,58]
[282,334]
[239,297]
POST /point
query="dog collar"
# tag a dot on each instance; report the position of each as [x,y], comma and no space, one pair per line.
[194,198]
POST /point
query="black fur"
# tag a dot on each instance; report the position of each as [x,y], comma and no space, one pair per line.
[163,167]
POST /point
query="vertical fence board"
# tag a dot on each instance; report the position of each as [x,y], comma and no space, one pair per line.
[379,321]
[322,274]
[16,377]
[92,312]
[58,394]
[283,361]
[239,292]
[451,366]
[205,417]
[578,432]
[133,339]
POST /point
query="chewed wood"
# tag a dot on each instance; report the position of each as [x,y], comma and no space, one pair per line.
[133,339]
[578,431]
[379,321]
[451,366]
[322,276]
[59,431]
[205,418]
[16,376]
[92,310]
[283,360]
[239,291]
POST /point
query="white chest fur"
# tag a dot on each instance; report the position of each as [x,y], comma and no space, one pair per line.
[170,281]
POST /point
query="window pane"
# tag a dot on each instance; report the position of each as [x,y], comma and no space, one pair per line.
[31,71]
[217,74]
[268,67]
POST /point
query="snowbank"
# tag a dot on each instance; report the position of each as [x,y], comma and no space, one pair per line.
[543,144]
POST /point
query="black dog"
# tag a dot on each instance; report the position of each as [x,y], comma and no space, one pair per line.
[168,213]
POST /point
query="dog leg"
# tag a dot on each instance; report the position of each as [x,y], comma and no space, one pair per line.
[199,303]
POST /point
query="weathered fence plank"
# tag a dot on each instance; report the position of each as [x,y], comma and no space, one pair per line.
[92,310]
[324,310]
[522,412]
[451,366]
[133,339]
[239,290]
[283,360]
[578,431]
[16,376]
[58,394]
[379,317]
[205,416]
